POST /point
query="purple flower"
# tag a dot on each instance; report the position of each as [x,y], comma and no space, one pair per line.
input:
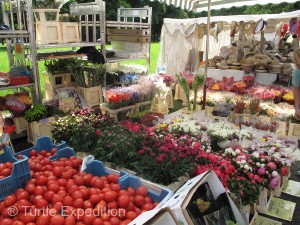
[262,171]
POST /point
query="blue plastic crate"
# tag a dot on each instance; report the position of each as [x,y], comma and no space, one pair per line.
[157,192]
[66,152]
[96,168]
[43,143]
[19,176]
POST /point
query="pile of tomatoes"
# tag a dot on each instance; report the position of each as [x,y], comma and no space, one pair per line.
[5,169]
[60,194]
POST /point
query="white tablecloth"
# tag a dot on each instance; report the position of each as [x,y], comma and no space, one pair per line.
[265,78]
[218,74]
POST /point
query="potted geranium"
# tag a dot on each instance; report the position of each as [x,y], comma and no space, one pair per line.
[38,123]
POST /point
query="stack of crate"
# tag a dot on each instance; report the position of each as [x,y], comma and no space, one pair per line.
[130,43]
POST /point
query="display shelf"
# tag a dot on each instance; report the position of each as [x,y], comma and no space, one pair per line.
[120,59]
[14,34]
[68,45]
[61,56]
[17,86]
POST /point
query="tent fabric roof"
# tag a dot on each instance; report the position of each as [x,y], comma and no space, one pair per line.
[235,18]
[201,5]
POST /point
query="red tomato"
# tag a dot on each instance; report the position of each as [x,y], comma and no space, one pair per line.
[123,201]
[5,172]
[148,199]
[95,198]
[139,200]
[42,180]
[87,204]
[110,196]
[2,166]
[43,220]
[97,221]
[87,179]
[131,191]
[57,220]
[43,152]
[10,200]
[88,217]
[123,192]
[19,156]
[53,151]
[58,206]
[57,171]
[48,196]
[2,206]
[56,198]
[85,192]
[142,190]
[42,203]
[7,221]
[22,195]
[40,190]
[62,182]
[131,215]
[112,178]
[96,182]
[68,201]
[77,194]
[115,187]
[70,220]
[125,222]
[148,206]
[114,220]
[78,203]
[33,153]
[27,218]
[23,205]
[5,213]
[53,187]
[18,223]
[62,193]
[122,213]
[112,205]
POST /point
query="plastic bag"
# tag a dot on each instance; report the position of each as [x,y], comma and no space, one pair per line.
[85,161]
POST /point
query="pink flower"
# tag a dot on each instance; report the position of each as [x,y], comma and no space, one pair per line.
[250,175]
[262,171]
[274,182]
[98,132]
[272,165]
[152,154]
[141,152]
[173,159]
[159,159]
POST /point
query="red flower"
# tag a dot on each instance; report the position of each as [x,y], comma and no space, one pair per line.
[284,171]
[98,132]
[9,129]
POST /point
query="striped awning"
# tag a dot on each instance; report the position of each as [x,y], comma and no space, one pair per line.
[201,5]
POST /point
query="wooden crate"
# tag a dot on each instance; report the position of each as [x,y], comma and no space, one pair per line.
[20,123]
[282,128]
[113,113]
[264,200]
[70,81]
[57,80]
[294,129]
[138,106]
[70,32]
[92,95]
[39,128]
[48,32]
[134,39]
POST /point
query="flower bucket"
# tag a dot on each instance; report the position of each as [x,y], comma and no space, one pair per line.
[264,200]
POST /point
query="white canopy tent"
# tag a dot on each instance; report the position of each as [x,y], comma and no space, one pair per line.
[181,38]
[202,5]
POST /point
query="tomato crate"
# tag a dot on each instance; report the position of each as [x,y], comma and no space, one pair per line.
[43,143]
[66,152]
[157,192]
[97,168]
[19,176]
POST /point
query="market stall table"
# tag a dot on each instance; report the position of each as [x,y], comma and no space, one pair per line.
[218,74]
[265,78]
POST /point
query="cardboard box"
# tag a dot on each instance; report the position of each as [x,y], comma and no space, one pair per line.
[134,39]
[130,47]
[161,216]
[179,202]
[129,32]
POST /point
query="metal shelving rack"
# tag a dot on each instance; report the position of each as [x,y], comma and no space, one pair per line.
[18,16]
[132,18]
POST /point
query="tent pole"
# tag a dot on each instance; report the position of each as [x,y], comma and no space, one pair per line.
[206,54]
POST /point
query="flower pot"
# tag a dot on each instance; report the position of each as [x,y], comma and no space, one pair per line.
[92,95]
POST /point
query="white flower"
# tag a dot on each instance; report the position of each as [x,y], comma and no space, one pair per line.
[233,153]
[243,161]
[274,174]
[258,164]
[262,165]
[267,172]
[208,151]
[262,160]
[237,151]
[255,154]
[246,167]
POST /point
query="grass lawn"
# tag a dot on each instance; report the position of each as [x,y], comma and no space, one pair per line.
[4,64]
